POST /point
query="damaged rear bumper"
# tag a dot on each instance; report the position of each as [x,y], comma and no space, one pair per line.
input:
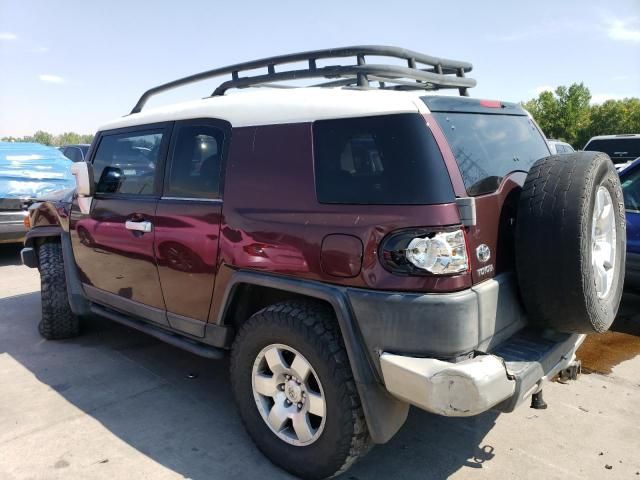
[501,380]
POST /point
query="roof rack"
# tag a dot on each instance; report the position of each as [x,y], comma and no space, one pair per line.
[435,73]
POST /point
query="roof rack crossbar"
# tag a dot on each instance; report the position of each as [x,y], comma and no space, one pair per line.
[389,72]
[440,72]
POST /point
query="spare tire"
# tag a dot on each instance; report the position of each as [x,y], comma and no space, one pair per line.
[570,242]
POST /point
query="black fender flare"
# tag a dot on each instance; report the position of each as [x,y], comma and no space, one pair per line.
[78,301]
[384,413]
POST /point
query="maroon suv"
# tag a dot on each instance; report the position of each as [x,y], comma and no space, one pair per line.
[356,246]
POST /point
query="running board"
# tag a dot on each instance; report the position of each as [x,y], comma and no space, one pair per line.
[174,339]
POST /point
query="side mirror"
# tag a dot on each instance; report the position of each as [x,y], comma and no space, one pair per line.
[83,173]
[84,184]
[110,180]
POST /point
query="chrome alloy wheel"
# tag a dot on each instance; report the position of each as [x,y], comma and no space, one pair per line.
[288,394]
[603,242]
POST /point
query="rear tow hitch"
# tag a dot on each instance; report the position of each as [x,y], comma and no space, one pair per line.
[571,372]
[537,401]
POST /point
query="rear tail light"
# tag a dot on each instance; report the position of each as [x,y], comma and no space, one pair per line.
[422,253]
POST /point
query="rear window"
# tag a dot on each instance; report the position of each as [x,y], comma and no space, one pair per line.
[385,160]
[619,149]
[487,147]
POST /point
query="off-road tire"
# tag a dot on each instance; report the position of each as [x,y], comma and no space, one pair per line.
[58,321]
[554,244]
[311,329]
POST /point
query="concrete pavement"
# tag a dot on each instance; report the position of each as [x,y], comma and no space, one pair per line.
[115,403]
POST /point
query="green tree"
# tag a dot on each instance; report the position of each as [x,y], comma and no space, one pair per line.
[45,138]
[611,117]
[67,138]
[564,113]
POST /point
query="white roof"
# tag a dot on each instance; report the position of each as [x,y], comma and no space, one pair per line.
[266,106]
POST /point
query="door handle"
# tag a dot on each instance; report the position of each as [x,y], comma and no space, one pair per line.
[144,227]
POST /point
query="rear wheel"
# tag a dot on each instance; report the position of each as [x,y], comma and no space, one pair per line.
[295,390]
[58,321]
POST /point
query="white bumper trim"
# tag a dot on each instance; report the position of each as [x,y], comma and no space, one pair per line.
[459,389]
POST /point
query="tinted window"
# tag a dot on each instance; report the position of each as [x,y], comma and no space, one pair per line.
[195,164]
[391,159]
[488,147]
[126,163]
[73,153]
[619,149]
[84,149]
[631,190]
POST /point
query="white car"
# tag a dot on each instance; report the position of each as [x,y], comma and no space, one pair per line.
[558,146]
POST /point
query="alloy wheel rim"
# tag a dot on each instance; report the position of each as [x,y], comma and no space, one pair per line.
[603,242]
[288,394]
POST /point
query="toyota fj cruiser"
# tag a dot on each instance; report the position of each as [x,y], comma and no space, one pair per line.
[357,246]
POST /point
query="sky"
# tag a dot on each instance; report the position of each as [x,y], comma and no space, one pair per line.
[73,65]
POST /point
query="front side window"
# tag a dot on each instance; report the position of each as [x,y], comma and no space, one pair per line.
[126,163]
[195,163]
[385,160]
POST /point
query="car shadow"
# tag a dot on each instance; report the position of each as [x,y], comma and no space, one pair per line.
[628,319]
[10,254]
[177,408]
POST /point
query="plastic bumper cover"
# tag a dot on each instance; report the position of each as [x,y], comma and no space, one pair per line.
[476,385]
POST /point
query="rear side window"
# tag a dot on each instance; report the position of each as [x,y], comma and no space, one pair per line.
[487,147]
[73,153]
[126,163]
[388,160]
[195,163]
[619,149]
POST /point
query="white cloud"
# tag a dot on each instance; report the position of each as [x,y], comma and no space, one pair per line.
[543,88]
[603,97]
[40,50]
[45,77]
[7,36]
[624,30]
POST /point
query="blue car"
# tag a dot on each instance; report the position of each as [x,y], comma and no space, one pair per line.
[630,178]
[28,171]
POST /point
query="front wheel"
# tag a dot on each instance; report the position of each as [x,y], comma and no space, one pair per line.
[295,390]
[58,321]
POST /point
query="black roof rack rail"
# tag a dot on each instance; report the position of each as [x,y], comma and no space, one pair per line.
[422,72]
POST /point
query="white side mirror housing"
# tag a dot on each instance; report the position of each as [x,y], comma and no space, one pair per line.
[80,170]
[84,185]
